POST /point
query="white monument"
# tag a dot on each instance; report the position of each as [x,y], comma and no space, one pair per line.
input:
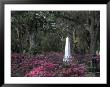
[67,55]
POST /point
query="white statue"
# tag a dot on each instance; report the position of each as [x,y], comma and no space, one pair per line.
[67,55]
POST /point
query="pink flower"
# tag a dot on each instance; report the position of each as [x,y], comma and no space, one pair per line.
[49,65]
[35,71]
[75,70]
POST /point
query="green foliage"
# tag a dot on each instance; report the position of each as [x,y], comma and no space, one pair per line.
[43,31]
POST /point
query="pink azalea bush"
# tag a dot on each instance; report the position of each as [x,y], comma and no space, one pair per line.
[44,65]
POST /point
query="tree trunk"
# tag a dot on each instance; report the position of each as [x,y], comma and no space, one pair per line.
[31,42]
[92,44]
[93,34]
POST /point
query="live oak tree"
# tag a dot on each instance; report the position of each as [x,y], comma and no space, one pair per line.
[44,31]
